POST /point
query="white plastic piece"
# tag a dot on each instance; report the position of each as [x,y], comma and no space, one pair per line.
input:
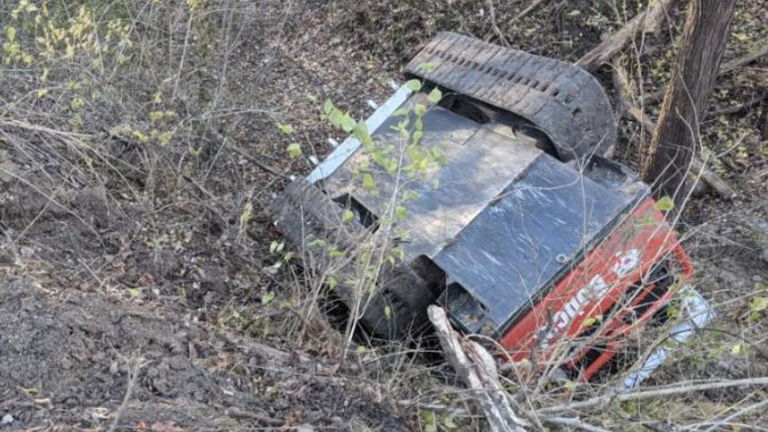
[346,149]
[313,159]
[333,142]
[394,85]
[699,312]
[372,103]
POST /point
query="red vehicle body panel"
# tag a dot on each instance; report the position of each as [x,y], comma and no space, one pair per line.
[624,258]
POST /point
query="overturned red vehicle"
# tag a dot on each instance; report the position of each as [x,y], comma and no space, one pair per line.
[526,234]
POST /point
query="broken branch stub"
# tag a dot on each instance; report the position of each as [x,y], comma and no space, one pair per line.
[477,368]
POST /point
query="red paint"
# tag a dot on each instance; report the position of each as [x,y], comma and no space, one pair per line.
[645,231]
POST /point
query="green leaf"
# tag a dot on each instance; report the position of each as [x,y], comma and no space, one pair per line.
[317,243]
[417,135]
[398,253]
[448,422]
[347,216]
[276,247]
[369,183]
[400,112]
[758,304]
[286,128]
[665,204]
[402,128]
[328,107]
[391,165]
[756,307]
[401,213]
[413,85]
[388,312]
[335,252]
[10,33]
[435,95]
[134,292]
[294,150]
[361,133]
[76,103]
[428,420]
[570,385]
[348,124]
[332,283]
[427,67]
[267,297]
[590,321]
[420,109]
[410,195]
[739,348]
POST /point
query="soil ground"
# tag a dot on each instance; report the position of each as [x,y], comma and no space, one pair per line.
[164,309]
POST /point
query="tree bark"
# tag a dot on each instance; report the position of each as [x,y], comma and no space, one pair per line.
[677,133]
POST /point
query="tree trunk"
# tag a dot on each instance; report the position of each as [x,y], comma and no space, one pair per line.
[677,130]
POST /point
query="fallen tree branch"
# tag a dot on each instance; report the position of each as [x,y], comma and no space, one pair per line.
[605,50]
[477,368]
[736,108]
[657,392]
[723,189]
[746,59]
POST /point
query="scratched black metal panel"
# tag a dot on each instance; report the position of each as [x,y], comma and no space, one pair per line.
[480,164]
[516,246]
[563,100]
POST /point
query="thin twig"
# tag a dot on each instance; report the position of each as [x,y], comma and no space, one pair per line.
[495,25]
[234,147]
[133,373]
[575,422]
[525,12]
[737,414]
[657,392]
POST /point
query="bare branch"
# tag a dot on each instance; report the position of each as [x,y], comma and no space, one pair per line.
[731,65]
[604,51]
[527,11]
[657,392]
[477,369]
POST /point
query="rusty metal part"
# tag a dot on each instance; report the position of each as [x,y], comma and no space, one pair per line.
[566,102]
